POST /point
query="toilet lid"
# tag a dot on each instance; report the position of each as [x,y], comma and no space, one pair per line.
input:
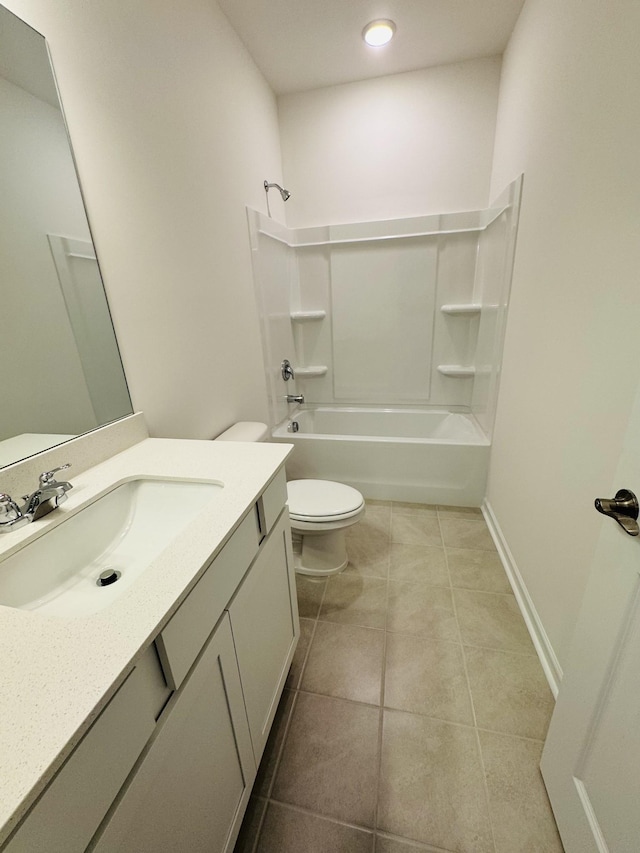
[322,500]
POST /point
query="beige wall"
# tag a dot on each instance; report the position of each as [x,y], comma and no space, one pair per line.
[391,147]
[569,118]
[174,130]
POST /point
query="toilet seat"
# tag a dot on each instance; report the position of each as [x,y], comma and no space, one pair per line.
[322,501]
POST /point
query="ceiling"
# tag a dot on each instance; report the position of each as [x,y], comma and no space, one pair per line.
[307,44]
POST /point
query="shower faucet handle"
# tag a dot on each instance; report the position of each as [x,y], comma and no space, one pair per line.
[287,370]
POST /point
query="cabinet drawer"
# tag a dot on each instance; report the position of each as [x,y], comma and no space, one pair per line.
[271,501]
[182,639]
[97,769]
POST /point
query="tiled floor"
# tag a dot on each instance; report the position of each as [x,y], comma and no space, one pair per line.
[416,707]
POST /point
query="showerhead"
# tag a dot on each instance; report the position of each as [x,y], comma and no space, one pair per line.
[284,193]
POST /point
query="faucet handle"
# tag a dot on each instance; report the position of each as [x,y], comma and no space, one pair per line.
[9,510]
[287,370]
[47,477]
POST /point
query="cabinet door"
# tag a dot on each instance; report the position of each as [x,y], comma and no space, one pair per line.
[264,621]
[191,787]
[97,768]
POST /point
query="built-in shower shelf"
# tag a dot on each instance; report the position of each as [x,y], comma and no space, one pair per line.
[307,316]
[311,372]
[461,308]
[456,371]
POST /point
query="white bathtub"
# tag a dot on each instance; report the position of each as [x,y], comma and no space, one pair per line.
[400,454]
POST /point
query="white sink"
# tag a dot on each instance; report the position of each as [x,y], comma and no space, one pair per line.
[123,531]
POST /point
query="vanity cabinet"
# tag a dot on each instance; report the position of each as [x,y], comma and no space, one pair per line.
[65,818]
[170,762]
[264,622]
[193,783]
[192,786]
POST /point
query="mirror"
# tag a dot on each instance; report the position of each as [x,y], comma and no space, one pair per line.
[61,372]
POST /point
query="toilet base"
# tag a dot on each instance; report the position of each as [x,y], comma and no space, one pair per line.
[320,554]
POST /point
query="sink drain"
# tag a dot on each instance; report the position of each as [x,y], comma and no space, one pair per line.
[108,577]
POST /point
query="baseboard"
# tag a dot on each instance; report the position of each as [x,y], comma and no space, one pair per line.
[548,659]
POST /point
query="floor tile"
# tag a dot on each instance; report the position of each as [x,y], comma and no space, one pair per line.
[510,692]
[426,611]
[330,759]
[355,600]
[415,530]
[248,835]
[426,677]
[387,844]
[431,786]
[405,508]
[491,620]
[310,592]
[459,511]
[321,763]
[376,522]
[271,754]
[466,533]
[297,664]
[345,661]
[369,557]
[473,569]
[418,564]
[521,815]
[287,830]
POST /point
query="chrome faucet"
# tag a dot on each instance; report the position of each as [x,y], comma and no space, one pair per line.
[49,495]
[295,398]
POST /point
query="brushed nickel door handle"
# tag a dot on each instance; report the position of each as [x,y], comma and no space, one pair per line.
[623,508]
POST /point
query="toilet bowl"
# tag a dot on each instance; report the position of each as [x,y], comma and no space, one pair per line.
[320,513]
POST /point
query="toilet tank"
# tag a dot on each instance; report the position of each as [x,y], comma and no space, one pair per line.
[245,431]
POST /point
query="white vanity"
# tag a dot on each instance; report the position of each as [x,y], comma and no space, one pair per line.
[139,726]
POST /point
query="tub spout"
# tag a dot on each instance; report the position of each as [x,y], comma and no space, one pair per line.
[295,398]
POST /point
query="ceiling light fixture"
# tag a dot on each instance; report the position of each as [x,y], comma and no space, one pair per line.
[378,33]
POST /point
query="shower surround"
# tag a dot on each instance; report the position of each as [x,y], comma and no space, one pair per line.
[402,320]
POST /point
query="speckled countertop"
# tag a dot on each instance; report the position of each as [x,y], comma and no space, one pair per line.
[56,674]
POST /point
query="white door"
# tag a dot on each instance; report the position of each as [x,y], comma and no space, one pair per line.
[591,760]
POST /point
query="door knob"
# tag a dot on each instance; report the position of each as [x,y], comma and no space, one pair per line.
[623,508]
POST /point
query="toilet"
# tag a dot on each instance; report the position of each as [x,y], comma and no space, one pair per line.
[320,513]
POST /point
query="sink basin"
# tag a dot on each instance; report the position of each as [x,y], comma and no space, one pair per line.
[119,535]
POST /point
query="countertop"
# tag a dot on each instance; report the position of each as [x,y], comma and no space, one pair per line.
[57,674]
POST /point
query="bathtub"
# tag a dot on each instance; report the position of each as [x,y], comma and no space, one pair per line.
[401,454]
